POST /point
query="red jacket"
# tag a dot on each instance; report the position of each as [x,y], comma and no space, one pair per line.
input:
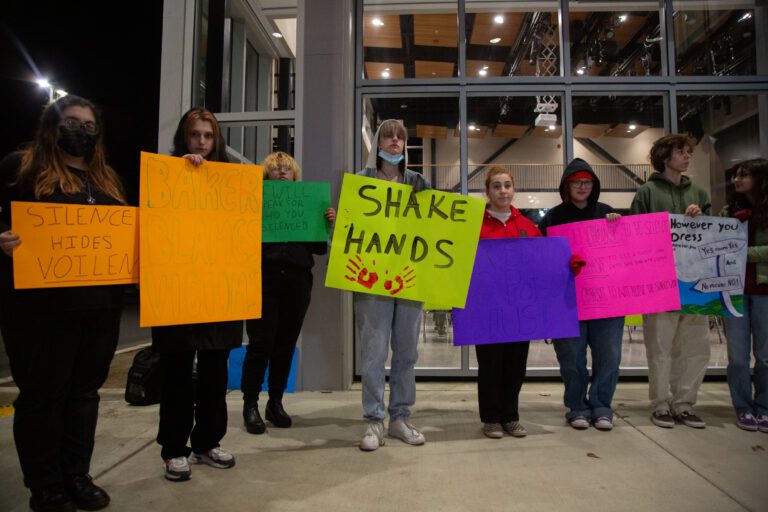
[517,226]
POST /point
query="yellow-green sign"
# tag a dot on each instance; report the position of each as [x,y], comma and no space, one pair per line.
[391,241]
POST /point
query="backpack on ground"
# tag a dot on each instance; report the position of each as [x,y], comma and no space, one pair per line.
[143,385]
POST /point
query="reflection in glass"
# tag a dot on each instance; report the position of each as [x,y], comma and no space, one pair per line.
[512,39]
[608,40]
[727,129]
[512,131]
[432,148]
[717,40]
[422,43]
[615,134]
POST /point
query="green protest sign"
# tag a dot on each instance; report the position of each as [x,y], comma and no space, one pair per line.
[294,211]
[391,241]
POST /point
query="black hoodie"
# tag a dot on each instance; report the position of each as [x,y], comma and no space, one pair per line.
[566,212]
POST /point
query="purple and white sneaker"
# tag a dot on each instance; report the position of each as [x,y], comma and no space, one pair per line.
[746,421]
[762,423]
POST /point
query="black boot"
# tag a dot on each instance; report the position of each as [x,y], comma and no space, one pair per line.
[52,499]
[252,419]
[86,494]
[276,414]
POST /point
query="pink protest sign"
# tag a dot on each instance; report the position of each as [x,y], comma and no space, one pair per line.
[630,265]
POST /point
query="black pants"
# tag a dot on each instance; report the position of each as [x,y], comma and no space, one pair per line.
[59,361]
[500,374]
[188,412]
[272,338]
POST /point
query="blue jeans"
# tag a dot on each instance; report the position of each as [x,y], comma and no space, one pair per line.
[603,336]
[380,321]
[754,325]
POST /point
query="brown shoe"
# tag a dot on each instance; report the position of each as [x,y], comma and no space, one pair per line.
[662,419]
[689,419]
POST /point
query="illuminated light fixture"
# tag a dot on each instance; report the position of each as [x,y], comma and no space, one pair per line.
[277,35]
[580,71]
[632,126]
[44,83]
[482,72]
[61,93]
[495,40]
[498,19]
[623,18]
[472,127]
[746,16]
[552,127]
[385,73]
[434,74]
[376,22]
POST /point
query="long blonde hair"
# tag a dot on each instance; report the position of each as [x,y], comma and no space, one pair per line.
[42,166]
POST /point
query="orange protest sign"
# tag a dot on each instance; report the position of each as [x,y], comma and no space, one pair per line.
[200,241]
[74,245]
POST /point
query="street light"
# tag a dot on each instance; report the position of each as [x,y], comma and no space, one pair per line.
[53,93]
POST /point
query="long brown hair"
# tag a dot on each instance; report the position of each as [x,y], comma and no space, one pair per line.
[42,165]
[184,129]
[758,169]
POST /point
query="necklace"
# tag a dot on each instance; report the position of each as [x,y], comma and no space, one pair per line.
[91,199]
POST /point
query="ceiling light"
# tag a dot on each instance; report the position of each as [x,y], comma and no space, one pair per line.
[434,74]
[471,127]
[376,22]
[552,127]
[580,71]
[482,72]
[623,18]
[44,83]
[546,129]
[746,16]
[498,19]
[495,40]
[277,35]
[385,73]
[633,126]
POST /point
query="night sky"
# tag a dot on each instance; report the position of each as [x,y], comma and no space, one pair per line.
[108,52]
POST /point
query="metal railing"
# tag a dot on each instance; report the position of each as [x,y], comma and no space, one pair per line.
[537,177]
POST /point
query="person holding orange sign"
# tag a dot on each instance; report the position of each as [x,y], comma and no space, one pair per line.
[60,341]
[286,269]
[188,411]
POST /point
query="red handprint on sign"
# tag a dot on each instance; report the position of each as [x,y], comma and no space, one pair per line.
[360,274]
[402,280]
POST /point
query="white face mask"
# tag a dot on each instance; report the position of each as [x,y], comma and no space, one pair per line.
[389,157]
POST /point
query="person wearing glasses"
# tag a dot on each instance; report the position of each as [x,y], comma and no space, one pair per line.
[677,345]
[195,411]
[587,404]
[286,270]
[59,341]
[748,201]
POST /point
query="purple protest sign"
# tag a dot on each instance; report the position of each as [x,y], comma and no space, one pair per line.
[630,265]
[521,289]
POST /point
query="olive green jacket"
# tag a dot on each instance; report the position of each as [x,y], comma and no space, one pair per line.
[659,194]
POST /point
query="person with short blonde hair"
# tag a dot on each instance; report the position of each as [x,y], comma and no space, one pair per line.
[286,273]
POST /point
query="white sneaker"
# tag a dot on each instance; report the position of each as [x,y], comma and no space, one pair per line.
[215,457]
[373,437]
[603,423]
[404,431]
[579,423]
[177,469]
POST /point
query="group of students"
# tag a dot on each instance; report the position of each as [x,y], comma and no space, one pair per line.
[60,341]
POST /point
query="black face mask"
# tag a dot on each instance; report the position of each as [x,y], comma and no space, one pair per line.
[77,143]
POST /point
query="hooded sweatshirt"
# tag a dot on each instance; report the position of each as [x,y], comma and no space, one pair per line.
[566,212]
[661,195]
[413,178]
